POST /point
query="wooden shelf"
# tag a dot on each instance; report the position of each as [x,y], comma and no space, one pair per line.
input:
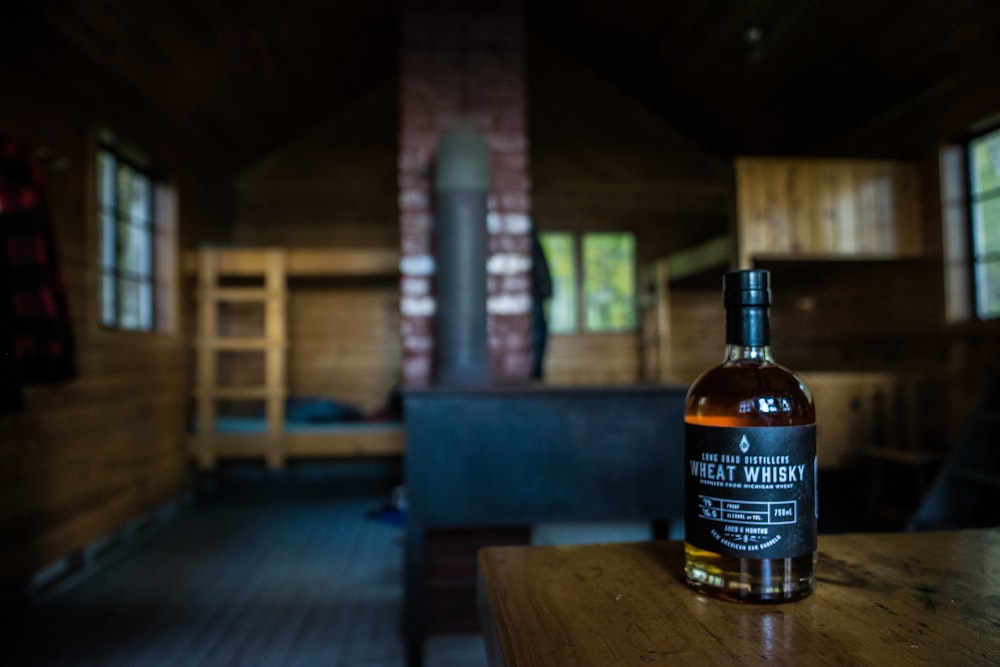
[216,393]
[319,262]
[711,258]
[241,294]
[232,343]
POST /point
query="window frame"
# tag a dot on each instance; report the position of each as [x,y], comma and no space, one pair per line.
[976,259]
[579,279]
[162,243]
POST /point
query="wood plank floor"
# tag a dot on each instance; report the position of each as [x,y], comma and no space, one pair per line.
[255,572]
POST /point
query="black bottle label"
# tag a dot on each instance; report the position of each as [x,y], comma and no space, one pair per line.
[750,492]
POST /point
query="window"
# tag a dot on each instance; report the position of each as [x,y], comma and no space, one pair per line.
[135,217]
[983,154]
[593,279]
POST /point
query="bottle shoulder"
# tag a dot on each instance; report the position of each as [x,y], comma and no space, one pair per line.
[762,373]
[750,392]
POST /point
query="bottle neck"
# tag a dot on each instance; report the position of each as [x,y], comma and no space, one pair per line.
[748,332]
[761,354]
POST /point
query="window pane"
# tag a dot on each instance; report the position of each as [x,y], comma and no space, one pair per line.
[105,180]
[986,227]
[988,301]
[984,200]
[146,306]
[125,201]
[106,188]
[560,251]
[124,181]
[108,242]
[609,281]
[108,285]
[130,305]
[985,162]
[986,255]
[139,200]
[136,257]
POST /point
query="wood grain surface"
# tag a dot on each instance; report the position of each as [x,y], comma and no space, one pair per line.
[882,599]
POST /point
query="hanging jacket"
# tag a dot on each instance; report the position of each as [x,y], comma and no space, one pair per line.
[36,339]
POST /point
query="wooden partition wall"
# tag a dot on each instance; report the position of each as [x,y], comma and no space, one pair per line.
[86,457]
[334,187]
[601,162]
[827,208]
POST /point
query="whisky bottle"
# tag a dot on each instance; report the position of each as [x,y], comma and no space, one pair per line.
[750,457]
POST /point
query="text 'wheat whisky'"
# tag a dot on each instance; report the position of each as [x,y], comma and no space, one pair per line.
[750,463]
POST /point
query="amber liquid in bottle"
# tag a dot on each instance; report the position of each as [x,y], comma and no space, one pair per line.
[749,389]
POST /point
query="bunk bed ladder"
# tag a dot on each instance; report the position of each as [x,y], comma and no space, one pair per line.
[267,265]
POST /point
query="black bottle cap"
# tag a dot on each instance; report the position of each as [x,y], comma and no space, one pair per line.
[748,287]
[747,298]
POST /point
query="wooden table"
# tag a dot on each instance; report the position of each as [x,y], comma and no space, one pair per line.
[882,599]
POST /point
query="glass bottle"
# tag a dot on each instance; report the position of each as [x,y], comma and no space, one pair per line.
[750,455]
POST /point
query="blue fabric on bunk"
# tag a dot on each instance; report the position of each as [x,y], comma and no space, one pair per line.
[250,425]
[319,410]
[305,414]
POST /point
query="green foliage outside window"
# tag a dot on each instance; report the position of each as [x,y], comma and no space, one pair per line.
[984,168]
[600,294]
[560,253]
[609,282]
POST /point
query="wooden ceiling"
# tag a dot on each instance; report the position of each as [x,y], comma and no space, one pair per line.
[736,76]
[789,76]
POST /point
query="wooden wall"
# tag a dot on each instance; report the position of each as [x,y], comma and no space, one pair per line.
[882,311]
[857,303]
[917,131]
[87,456]
[335,185]
[598,162]
[827,208]
[972,348]
[853,316]
[601,162]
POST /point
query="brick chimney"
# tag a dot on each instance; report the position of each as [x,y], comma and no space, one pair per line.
[463,66]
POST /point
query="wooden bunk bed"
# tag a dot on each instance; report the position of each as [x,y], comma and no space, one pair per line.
[260,277]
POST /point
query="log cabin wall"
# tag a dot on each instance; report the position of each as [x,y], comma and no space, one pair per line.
[87,456]
[601,162]
[864,335]
[592,169]
[916,131]
[869,313]
[335,185]
[972,348]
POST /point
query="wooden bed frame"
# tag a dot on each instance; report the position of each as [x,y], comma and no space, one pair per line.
[276,442]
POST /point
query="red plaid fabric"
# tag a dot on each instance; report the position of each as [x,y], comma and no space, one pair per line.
[36,340]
